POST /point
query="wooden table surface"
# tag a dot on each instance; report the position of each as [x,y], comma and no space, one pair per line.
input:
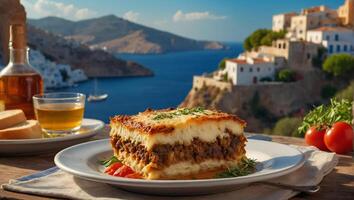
[339,184]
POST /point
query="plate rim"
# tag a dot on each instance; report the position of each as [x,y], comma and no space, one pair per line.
[167,183]
[56,139]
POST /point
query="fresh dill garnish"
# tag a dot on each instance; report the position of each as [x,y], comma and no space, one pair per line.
[109,161]
[245,167]
[180,112]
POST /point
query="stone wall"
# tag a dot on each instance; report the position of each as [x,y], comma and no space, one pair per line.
[279,99]
[200,82]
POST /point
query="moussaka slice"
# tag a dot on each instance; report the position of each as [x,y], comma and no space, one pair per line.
[175,143]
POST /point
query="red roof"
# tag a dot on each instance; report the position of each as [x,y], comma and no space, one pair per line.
[333,29]
[258,60]
[237,61]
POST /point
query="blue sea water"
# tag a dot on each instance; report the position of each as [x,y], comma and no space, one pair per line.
[168,88]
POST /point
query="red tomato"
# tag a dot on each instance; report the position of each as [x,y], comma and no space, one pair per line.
[112,168]
[134,175]
[123,171]
[339,138]
[314,137]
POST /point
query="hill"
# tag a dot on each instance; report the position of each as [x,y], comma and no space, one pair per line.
[118,35]
[95,63]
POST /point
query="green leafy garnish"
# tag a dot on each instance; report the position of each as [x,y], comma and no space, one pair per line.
[109,161]
[245,167]
[180,112]
[324,116]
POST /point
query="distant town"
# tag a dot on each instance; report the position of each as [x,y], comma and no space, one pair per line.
[304,60]
[302,37]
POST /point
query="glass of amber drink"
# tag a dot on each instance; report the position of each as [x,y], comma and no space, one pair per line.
[59,113]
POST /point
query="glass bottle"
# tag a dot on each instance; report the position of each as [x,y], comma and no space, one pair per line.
[19,81]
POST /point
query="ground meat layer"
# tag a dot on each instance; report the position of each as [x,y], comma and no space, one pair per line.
[226,148]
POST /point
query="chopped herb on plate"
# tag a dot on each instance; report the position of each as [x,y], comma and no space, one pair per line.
[246,166]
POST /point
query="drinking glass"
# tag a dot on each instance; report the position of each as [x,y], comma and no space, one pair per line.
[59,113]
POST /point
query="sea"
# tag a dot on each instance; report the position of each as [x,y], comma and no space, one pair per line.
[172,80]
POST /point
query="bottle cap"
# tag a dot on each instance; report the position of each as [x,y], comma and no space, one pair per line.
[17,36]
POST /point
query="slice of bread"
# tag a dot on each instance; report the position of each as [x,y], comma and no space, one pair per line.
[27,130]
[9,118]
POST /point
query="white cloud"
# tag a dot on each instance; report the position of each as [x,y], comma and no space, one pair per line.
[131,16]
[193,16]
[43,8]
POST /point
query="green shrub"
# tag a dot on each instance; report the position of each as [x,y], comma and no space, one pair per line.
[286,75]
[262,37]
[328,91]
[346,93]
[222,64]
[317,61]
[339,65]
[266,79]
[287,126]
[272,36]
[225,77]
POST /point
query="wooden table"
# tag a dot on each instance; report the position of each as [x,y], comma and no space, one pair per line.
[339,184]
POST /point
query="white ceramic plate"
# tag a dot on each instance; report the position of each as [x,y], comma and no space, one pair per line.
[89,128]
[274,160]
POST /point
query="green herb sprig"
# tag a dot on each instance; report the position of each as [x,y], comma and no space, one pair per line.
[109,161]
[180,112]
[245,167]
[324,116]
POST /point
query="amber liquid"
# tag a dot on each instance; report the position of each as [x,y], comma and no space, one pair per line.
[16,92]
[60,116]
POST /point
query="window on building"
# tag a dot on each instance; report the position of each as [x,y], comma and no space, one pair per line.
[269,69]
[308,56]
[338,48]
[258,69]
[284,45]
[327,38]
[336,37]
[300,31]
[251,70]
[279,46]
[330,49]
[345,48]
[241,69]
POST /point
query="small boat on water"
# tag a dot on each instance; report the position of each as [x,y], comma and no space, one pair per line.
[100,97]
[95,96]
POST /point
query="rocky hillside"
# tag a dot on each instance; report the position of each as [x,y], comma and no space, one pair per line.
[261,105]
[115,34]
[95,63]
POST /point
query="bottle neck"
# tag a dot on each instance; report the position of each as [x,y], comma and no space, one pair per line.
[18,56]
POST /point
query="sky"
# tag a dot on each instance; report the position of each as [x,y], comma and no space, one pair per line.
[219,20]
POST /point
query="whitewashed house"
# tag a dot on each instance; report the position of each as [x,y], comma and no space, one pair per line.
[55,75]
[335,39]
[248,71]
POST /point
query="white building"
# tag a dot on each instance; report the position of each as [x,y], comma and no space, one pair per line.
[311,18]
[248,71]
[335,39]
[282,21]
[55,75]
